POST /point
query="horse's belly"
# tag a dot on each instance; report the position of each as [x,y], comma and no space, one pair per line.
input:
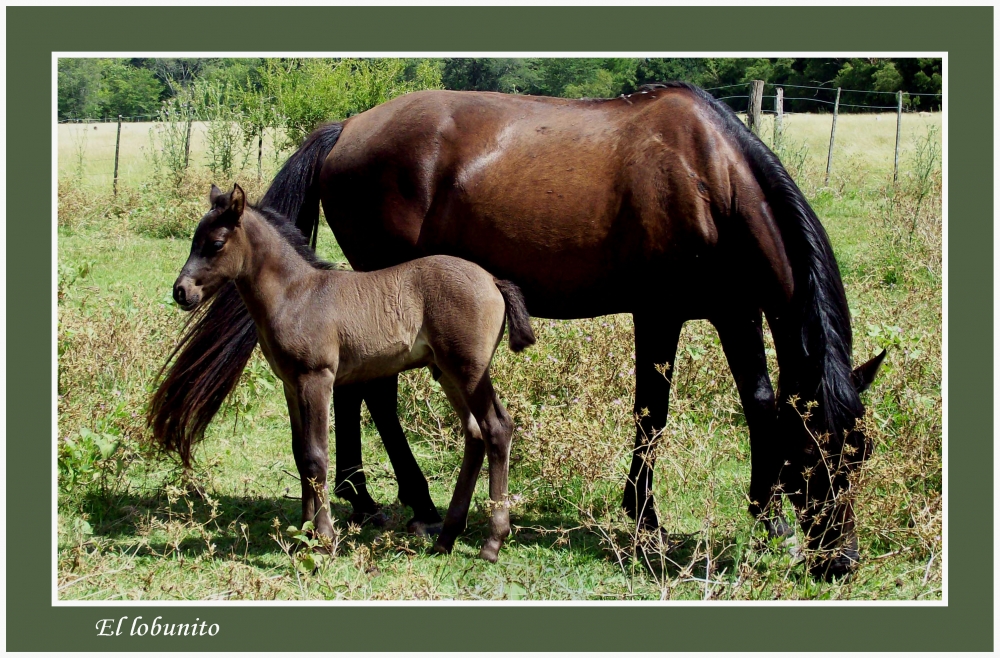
[361,363]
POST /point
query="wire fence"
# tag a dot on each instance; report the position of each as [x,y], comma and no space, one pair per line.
[750,104]
[135,118]
[754,109]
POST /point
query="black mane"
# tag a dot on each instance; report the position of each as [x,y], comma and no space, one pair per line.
[820,301]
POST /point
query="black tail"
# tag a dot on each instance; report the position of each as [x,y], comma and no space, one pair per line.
[519,331]
[219,341]
[819,302]
[294,192]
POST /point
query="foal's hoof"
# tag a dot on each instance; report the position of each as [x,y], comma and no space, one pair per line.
[376,519]
[440,549]
[422,529]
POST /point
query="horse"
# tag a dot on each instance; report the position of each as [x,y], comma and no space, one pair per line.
[318,327]
[659,203]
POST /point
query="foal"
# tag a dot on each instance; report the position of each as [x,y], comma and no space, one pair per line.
[319,326]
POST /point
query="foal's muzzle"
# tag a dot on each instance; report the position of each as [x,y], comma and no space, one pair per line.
[187,297]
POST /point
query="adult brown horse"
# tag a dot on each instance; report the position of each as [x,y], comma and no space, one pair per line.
[661,204]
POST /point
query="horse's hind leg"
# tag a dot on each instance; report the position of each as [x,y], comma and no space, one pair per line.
[743,341]
[350,476]
[656,339]
[380,396]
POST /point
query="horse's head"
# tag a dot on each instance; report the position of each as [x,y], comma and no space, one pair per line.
[217,250]
[831,444]
[862,377]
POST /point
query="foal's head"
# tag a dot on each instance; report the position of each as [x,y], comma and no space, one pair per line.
[217,250]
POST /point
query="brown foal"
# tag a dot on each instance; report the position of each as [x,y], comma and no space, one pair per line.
[319,326]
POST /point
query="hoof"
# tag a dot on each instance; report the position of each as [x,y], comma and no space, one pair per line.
[839,567]
[778,527]
[658,540]
[422,529]
[440,549]
[375,519]
[490,551]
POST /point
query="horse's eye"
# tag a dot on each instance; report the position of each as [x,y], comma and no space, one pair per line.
[217,245]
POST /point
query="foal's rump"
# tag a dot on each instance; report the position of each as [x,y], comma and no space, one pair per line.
[466,305]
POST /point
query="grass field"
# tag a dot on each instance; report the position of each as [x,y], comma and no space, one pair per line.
[131,527]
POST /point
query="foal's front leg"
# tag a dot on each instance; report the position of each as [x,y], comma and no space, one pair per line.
[309,408]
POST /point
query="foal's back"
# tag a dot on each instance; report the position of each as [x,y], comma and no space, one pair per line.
[430,310]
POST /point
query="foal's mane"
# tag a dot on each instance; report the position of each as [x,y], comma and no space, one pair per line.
[286,229]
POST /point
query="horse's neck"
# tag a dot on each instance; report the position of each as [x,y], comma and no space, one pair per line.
[272,267]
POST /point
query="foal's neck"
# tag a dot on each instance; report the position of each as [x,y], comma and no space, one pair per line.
[271,267]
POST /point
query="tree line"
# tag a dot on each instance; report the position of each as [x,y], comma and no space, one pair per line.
[297,93]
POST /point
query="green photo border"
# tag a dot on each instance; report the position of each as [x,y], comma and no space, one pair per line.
[966,34]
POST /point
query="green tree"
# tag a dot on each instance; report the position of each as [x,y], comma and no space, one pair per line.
[79,87]
[512,75]
[129,91]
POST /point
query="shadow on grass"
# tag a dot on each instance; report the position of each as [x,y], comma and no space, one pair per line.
[243,528]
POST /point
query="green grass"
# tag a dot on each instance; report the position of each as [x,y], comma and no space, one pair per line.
[132,526]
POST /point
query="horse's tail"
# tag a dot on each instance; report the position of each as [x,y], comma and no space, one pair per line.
[210,357]
[294,191]
[518,322]
[220,340]
[819,303]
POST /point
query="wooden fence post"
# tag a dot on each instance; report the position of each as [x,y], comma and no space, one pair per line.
[833,132]
[779,110]
[260,153]
[753,112]
[187,140]
[899,117]
[118,141]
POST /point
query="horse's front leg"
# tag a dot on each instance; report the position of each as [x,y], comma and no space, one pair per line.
[351,484]
[311,399]
[656,339]
[381,397]
[742,339]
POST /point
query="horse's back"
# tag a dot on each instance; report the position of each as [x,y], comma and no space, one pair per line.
[573,200]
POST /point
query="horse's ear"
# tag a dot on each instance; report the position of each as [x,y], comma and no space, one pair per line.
[237,200]
[864,375]
[214,195]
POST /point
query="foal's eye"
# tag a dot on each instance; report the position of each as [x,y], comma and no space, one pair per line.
[217,245]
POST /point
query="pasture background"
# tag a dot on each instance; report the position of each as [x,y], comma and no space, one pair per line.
[130,527]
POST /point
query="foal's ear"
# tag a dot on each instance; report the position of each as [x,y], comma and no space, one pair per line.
[864,375]
[214,195]
[237,200]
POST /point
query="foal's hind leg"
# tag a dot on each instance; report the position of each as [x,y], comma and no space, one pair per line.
[656,339]
[743,341]
[472,460]
[488,426]
[497,429]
